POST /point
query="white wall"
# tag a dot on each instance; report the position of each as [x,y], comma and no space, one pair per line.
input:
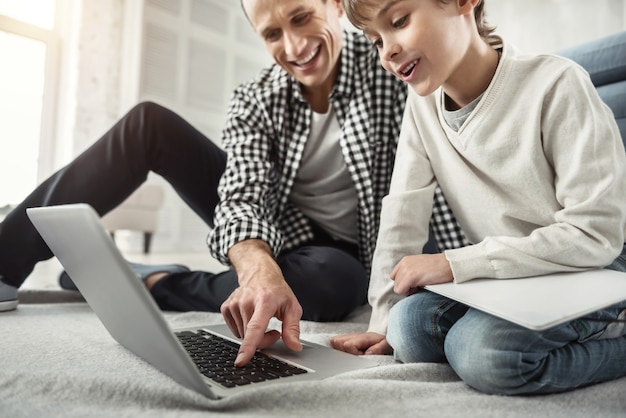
[88,75]
[99,70]
[550,25]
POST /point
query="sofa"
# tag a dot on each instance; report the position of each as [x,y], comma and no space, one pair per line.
[58,360]
[605,61]
[139,212]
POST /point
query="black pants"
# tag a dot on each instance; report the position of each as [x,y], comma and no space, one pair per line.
[152,138]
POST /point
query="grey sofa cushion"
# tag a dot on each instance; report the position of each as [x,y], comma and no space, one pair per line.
[604,58]
[605,61]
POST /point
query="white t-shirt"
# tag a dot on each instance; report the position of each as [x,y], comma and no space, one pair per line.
[323,189]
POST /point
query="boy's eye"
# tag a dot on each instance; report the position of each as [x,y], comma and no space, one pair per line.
[400,22]
[376,41]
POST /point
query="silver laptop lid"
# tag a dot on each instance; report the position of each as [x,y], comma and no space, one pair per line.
[76,236]
[112,289]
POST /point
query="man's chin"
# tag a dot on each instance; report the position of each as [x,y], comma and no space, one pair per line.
[309,78]
[308,81]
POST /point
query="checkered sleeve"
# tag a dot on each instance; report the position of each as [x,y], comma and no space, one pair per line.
[246,188]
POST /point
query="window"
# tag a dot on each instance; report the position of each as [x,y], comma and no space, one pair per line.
[28,45]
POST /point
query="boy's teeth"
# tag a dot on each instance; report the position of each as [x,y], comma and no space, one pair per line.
[408,69]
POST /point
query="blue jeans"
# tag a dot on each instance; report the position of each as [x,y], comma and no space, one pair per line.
[496,356]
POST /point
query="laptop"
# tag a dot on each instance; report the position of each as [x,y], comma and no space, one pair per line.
[540,302]
[190,356]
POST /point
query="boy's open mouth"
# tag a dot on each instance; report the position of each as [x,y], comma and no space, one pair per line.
[407,70]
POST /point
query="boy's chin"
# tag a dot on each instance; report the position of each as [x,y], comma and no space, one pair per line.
[422,90]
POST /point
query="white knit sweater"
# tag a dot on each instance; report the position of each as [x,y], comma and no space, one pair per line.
[536,177]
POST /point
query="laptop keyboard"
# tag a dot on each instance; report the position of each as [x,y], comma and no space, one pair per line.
[215,357]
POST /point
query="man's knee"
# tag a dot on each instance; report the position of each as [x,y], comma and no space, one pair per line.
[150,128]
[147,109]
[148,115]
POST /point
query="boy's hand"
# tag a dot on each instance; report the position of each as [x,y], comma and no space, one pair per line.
[416,271]
[362,343]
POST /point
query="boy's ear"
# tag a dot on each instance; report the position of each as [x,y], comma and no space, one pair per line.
[466,6]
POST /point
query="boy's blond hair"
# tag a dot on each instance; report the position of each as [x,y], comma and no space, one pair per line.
[355,12]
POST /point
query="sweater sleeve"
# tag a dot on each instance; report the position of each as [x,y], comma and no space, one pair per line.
[582,144]
[404,219]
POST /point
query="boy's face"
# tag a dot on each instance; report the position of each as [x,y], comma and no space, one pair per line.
[303,36]
[419,41]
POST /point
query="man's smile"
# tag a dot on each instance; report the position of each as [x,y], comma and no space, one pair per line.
[306,60]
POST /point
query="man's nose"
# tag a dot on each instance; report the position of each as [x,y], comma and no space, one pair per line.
[294,45]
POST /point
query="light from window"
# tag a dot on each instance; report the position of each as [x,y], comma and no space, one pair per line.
[22,77]
[21,98]
[36,12]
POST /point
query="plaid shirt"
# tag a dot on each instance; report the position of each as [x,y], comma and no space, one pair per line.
[267,128]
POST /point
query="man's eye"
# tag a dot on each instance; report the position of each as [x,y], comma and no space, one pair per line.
[272,35]
[400,22]
[301,18]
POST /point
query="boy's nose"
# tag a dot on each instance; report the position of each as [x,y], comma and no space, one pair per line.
[391,51]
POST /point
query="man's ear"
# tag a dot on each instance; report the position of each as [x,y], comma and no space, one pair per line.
[339,6]
[466,6]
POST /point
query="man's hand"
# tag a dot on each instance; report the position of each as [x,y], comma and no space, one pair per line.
[363,343]
[261,295]
[416,271]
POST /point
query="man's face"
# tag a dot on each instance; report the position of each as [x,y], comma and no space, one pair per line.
[303,36]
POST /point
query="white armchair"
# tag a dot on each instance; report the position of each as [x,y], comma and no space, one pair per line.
[139,212]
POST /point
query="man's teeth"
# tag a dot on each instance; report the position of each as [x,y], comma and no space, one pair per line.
[308,58]
[408,69]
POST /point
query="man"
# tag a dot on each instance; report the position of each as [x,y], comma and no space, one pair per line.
[310,145]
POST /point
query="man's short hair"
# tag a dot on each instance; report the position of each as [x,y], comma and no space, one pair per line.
[246,14]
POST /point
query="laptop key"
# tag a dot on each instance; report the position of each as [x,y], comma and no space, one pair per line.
[215,358]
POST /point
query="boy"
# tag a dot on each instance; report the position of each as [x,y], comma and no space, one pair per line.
[533,166]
